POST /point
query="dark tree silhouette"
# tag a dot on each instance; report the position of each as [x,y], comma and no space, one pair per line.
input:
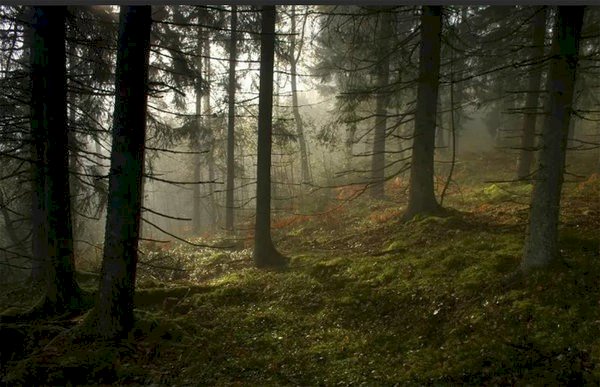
[196,135]
[210,157]
[541,245]
[421,198]
[381,102]
[51,216]
[265,254]
[293,57]
[231,122]
[113,315]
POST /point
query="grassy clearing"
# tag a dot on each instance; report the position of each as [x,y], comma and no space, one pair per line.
[367,300]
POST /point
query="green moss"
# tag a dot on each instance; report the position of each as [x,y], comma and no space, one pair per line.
[156,296]
[502,192]
[395,246]
[433,301]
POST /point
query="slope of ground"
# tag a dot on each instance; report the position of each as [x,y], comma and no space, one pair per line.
[367,300]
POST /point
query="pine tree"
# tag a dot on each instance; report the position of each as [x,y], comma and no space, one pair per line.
[265,254]
[541,245]
[113,314]
[421,197]
[51,215]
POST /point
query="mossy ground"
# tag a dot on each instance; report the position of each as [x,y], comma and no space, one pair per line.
[366,300]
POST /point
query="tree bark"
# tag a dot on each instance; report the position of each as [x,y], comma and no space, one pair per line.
[52,222]
[421,197]
[381,104]
[74,186]
[541,245]
[197,217]
[212,218]
[294,55]
[37,209]
[114,309]
[265,254]
[533,91]
[231,123]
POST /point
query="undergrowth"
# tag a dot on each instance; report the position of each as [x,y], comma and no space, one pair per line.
[366,300]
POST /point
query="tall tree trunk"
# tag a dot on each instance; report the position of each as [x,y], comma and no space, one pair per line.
[275,182]
[52,207]
[212,221]
[381,104]
[38,234]
[265,254]
[231,123]
[533,91]
[197,210]
[421,198]
[294,55]
[39,254]
[74,186]
[541,245]
[114,308]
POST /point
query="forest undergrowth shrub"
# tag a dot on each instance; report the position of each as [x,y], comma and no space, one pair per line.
[189,263]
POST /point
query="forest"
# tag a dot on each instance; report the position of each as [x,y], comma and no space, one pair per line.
[306,195]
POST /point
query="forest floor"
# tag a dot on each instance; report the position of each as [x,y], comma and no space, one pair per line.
[367,300]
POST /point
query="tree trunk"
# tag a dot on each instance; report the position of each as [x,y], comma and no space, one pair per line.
[212,221]
[294,55]
[37,211]
[381,104]
[421,197]
[276,182]
[52,207]
[265,254]
[74,186]
[114,308]
[533,91]
[231,123]
[541,245]
[39,254]
[39,235]
[197,217]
